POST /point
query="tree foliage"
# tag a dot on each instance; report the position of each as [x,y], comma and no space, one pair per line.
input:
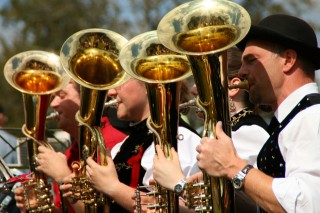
[45,25]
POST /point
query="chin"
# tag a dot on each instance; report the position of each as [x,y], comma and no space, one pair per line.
[121,116]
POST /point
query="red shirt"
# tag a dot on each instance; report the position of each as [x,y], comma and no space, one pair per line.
[111,136]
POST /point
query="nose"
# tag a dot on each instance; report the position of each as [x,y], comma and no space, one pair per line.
[243,72]
[112,93]
[55,102]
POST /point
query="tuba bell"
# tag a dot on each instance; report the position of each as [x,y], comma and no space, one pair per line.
[162,70]
[90,57]
[204,31]
[37,74]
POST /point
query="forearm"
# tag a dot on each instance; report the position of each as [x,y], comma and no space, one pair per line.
[257,186]
[122,195]
[262,194]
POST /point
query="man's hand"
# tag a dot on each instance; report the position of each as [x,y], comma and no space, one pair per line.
[218,157]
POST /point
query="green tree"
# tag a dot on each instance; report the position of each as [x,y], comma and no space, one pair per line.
[45,25]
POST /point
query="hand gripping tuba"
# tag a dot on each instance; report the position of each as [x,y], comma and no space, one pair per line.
[90,57]
[37,74]
[204,30]
[146,59]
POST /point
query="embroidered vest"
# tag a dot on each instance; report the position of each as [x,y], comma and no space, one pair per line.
[128,159]
[270,160]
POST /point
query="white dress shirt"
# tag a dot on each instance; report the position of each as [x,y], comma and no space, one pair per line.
[299,143]
[186,150]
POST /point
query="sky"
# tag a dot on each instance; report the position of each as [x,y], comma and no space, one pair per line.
[311,15]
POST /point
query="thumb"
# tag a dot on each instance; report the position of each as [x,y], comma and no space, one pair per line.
[109,160]
[221,135]
[159,152]
[175,156]
[76,168]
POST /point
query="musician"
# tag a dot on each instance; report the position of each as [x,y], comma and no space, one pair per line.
[57,165]
[132,159]
[279,61]
[249,133]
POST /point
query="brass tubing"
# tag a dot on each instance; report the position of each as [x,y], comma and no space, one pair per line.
[204,31]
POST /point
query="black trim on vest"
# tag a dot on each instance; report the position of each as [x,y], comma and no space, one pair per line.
[128,159]
[246,117]
[270,160]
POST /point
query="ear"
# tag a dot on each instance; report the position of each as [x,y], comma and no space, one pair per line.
[234,92]
[290,57]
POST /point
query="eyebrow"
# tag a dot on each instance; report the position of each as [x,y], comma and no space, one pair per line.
[246,57]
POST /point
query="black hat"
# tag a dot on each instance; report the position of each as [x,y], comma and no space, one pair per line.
[289,31]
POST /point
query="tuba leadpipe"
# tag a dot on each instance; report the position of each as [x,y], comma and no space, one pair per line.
[162,71]
[189,104]
[204,31]
[90,57]
[193,102]
[37,74]
[55,115]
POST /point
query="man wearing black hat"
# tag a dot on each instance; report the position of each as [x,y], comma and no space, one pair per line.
[280,57]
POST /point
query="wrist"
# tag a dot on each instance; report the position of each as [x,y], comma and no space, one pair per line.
[238,166]
[113,189]
[59,178]
[175,181]
[238,179]
[179,186]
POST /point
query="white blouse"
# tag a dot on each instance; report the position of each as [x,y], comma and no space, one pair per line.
[186,150]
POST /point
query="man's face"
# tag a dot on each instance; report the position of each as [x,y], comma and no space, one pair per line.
[66,102]
[132,100]
[262,68]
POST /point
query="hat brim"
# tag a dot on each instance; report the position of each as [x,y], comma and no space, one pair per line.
[260,33]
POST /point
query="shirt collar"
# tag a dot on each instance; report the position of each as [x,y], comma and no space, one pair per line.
[293,99]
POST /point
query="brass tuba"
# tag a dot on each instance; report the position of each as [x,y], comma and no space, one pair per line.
[146,59]
[204,30]
[37,74]
[90,57]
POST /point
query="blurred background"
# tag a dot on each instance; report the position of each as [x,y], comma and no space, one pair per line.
[45,25]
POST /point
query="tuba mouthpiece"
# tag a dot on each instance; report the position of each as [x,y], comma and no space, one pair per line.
[111,103]
[242,85]
[53,116]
